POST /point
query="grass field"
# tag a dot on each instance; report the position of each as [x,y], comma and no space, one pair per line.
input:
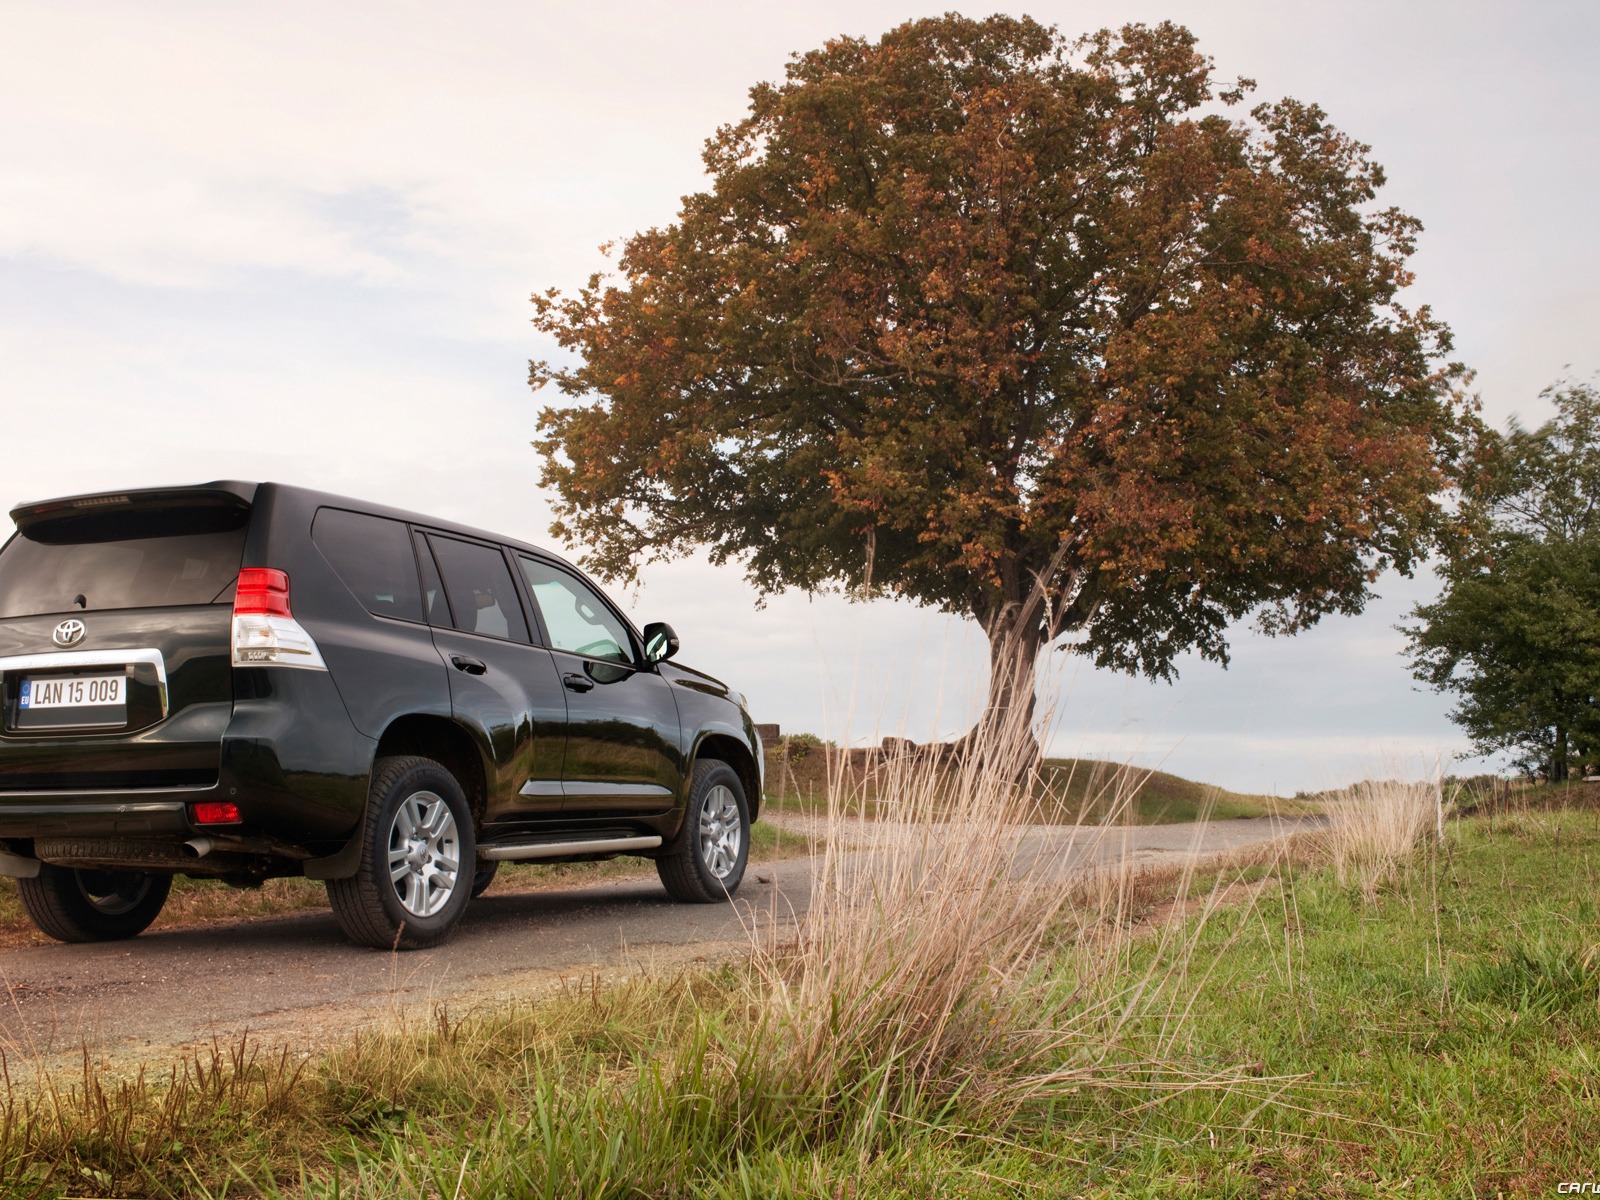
[1435,1041]
[1259,1030]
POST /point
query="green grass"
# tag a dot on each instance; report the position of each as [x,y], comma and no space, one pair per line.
[1440,1041]
[1488,796]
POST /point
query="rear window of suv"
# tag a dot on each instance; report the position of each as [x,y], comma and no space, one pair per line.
[162,558]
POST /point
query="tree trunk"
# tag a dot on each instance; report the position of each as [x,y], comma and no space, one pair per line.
[1558,756]
[1003,739]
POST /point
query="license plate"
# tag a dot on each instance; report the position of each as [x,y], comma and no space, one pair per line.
[73,700]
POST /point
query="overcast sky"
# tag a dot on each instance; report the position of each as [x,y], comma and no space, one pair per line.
[295,242]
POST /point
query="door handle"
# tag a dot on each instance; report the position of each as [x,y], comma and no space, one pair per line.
[470,665]
[576,682]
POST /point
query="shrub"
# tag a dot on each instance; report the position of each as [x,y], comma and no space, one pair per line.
[795,746]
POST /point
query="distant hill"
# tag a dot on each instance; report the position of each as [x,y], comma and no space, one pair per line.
[1097,789]
[1076,790]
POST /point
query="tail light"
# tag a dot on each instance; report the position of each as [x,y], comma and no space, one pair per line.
[261,591]
[265,633]
[215,812]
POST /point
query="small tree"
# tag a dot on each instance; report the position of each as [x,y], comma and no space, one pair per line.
[1516,633]
[1028,329]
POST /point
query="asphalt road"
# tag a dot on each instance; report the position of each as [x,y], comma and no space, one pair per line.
[295,981]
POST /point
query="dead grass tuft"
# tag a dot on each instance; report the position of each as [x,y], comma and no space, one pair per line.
[1374,826]
[956,954]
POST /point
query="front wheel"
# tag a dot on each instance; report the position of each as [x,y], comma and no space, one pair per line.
[80,905]
[416,862]
[706,861]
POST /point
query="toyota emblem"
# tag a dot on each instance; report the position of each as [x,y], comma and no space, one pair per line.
[70,632]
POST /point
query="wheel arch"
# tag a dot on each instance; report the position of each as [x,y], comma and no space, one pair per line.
[449,745]
[726,748]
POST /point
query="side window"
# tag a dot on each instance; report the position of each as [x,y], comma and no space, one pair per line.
[483,598]
[578,620]
[373,557]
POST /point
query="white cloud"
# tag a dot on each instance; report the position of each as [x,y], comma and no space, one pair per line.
[188,141]
[176,231]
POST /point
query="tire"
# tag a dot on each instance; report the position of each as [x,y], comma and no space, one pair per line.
[417,819]
[74,904]
[483,877]
[114,854]
[705,862]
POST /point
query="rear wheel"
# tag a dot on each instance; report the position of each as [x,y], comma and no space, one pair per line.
[417,858]
[483,877]
[74,904]
[706,861]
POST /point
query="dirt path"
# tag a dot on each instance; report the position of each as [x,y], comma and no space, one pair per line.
[294,980]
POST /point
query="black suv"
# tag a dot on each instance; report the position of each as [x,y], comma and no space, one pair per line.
[248,680]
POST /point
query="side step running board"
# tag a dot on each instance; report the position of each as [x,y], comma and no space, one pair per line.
[526,850]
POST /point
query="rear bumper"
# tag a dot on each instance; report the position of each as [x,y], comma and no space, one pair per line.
[49,814]
[291,761]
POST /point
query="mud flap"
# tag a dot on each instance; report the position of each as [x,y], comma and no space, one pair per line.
[341,864]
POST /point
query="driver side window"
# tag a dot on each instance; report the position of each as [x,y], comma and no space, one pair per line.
[578,620]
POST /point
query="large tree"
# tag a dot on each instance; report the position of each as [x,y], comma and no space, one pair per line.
[1516,633]
[1046,332]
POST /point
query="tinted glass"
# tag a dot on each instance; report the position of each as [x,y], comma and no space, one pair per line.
[578,620]
[156,560]
[482,595]
[373,557]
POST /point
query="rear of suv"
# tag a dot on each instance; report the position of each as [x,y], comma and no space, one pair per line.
[241,681]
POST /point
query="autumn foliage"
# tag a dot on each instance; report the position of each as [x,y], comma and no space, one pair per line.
[1045,331]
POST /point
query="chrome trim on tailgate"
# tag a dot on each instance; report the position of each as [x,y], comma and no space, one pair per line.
[67,659]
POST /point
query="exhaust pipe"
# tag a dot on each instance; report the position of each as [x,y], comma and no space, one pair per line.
[199,847]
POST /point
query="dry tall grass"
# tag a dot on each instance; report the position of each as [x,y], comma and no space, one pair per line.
[1375,825]
[954,955]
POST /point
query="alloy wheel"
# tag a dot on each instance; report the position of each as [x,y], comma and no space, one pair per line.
[721,832]
[424,853]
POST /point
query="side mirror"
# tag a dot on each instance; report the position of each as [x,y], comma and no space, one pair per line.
[660,642]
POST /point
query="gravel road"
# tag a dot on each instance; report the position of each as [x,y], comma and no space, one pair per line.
[294,980]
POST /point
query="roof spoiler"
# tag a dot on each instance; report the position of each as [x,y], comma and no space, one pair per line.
[69,518]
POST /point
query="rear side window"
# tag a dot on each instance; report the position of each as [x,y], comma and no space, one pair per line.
[483,598]
[373,557]
[161,558]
